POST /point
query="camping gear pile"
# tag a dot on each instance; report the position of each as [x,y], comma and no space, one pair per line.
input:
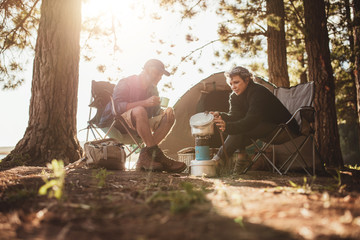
[202,127]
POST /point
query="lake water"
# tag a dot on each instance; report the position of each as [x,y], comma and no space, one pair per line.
[2,156]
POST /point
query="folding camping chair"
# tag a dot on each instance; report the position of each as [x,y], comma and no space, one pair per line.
[101,95]
[298,100]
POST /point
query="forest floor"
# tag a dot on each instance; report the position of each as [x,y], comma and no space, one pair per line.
[103,204]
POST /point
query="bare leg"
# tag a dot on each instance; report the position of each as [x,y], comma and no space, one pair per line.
[139,115]
[165,125]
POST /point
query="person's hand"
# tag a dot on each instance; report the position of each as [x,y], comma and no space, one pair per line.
[169,112]
[221,124]
[215,114]
[152,101]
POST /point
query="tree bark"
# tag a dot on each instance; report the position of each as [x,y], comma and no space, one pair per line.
[51,131]
[356,50]
[320,71]
[303,75]
[276,45]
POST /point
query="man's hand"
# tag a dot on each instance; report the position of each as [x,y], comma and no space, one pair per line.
[152,101]
[169,112]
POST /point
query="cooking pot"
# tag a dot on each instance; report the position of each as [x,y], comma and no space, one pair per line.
[202,124]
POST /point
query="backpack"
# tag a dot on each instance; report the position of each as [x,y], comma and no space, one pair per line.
[106,153]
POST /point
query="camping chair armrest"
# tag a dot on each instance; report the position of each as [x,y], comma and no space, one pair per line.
[113,109]
[292,116]
[306,112]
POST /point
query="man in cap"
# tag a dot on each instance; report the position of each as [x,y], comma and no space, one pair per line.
[136,99]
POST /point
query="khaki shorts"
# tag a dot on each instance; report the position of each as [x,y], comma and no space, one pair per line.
[154,122]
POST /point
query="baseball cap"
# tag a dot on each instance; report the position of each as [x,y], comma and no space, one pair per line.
[156,64]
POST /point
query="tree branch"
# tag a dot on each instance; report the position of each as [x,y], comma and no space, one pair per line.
[18,26]
[199,48]
[297,14]
[191,8]
[261,27]
[239,35]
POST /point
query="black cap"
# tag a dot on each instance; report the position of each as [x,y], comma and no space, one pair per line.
[156,64]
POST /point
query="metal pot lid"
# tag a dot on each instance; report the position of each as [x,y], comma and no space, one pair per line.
[201,119]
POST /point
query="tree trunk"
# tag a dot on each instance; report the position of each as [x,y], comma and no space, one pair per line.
[303,75]
[320,71]
[356,33]
[51,131]
[276,49]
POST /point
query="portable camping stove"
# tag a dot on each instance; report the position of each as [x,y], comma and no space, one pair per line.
[202,127]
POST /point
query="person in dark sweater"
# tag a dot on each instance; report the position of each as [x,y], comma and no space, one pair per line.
[254,112]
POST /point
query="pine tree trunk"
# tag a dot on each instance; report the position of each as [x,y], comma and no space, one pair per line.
[51,131]
[303,75]
[320,71]
[356,50]
[278,70]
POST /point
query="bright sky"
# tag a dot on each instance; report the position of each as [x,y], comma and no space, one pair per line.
[135,37]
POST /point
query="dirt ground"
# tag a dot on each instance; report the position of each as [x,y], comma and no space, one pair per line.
[100,204]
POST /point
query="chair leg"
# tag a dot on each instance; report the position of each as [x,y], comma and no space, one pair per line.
[294,156]
[273,155]
[131,152]
[271,163]
[108,131]
[87,133]
[252,162]
[92,128]
[313,154]
[128,156]
[261,152]
[130,134]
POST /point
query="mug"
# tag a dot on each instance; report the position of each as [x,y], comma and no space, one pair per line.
[164,101]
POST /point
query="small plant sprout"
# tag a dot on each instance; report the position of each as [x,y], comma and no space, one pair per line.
[239,220]
[101,177]
[355,167]
[180,200]
[305,188]
[54,181]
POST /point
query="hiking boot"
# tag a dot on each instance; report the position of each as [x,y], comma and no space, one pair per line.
[240,164]
[147,160]
[170,165]
[219,166]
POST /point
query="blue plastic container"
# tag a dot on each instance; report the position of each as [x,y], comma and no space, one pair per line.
[202,153]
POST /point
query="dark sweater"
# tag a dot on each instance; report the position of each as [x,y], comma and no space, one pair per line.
[256,105]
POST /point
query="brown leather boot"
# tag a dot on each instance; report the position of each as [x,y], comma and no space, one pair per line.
[147,160]
[170,165]
[241,163]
